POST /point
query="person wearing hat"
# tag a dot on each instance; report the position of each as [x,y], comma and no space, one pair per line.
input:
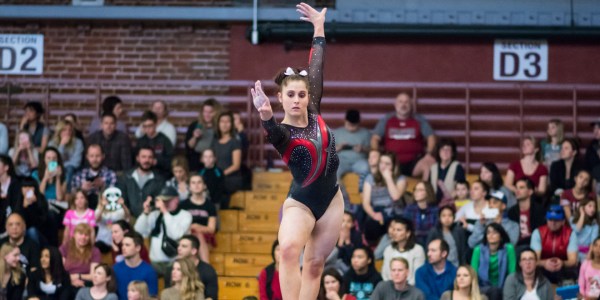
[592,153]
[30,122]
[495,214]
[556,246]
[352,145]
[163,218]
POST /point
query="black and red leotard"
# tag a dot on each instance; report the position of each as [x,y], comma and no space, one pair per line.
[309,152]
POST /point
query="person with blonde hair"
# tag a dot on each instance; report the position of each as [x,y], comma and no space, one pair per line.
[466,286]
[397,287]
[550,146]
[80,256]
[186,284]
[138,290]
[529,166]
[10,265]
[69,146]
[181,177]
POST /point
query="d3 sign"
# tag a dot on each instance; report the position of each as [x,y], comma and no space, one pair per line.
[521,60]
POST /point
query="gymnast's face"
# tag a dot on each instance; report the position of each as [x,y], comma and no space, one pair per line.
[294,98]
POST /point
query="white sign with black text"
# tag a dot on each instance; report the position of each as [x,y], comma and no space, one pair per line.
[21,54]
[521,60]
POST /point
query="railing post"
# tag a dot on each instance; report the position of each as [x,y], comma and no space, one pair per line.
[468,128]
[575,113]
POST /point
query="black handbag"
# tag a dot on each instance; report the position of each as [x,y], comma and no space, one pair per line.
[169,245]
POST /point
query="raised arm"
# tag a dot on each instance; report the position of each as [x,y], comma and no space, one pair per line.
[315,68]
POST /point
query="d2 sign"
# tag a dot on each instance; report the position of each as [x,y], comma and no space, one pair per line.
[21,54]
[521,60]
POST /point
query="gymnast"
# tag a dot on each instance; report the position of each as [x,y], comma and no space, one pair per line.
[313,211]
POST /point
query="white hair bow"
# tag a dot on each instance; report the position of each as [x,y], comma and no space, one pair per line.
[289,71]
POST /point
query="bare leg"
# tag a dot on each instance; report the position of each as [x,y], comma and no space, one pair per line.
[319,246]
[204,253]
[294,231]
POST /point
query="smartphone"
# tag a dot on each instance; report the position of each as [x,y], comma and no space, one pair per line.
[347,147]
[29,194]
[198,126]
[52,166]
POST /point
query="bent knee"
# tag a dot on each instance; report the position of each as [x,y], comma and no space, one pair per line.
[314,266]
[290,252]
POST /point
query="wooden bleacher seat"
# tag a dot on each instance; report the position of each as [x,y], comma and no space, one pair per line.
[271,181]
[223,241]
[259,201]
[217,261]
[246,264]
[258,222]
[472,178]
[351,183]
[228,220]
[236,288]
[259,243]
[238,200]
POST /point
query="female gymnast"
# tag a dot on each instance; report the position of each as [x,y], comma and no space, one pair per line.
[313,211]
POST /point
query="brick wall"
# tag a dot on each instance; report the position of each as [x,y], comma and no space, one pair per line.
[122,52]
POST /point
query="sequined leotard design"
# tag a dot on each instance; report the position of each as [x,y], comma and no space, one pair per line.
[309,152]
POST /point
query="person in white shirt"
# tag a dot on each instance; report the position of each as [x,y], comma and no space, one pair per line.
[162,124]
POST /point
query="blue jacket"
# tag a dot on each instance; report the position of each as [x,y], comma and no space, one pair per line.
[432,284]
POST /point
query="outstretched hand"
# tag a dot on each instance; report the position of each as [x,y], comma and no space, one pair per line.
[261,102]
[309,14]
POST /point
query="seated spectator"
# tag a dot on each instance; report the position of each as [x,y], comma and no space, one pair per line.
[159,108]
[181,177]
[526,212]
[114,143]
[52,182]
[404,245]
[423,213]
[373,161]
[592,152]
[550,146]
[78,213]
[105,218]
[242,136]
[382,197]
[133,268]
[12,276]
[349,239]
[93,179]
[200,133]
[167,221]
[331,286]
[228,150]
[72,118]
[528,167]
[564,170]
[137,290]
[471,213]
[466,285]
[490,174]
[110,105]
[103,285]
[189,247]
[69,147]
[3,139]
[29,249]
[453,234]
[80,256]
[140,184]
[397,286]
[39,132]
[494,259]
[34,209]
[204,215]
[118,230]
[444,174]
[10,190]
[352,145]
[383,243]
[213,177]
[24,154]
[155,140]
[556,246]
[403,133]
[528,282]
[50,281]
[268,279]
[585,225]
[581,191]
[589,273]
[437,275]
[497,206]
[186,284]
[362,278]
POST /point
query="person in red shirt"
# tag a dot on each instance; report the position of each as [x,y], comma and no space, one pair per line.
[268,279]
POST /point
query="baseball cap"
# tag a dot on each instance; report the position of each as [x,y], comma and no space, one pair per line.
[167,193]
[555,212]
[499,195]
